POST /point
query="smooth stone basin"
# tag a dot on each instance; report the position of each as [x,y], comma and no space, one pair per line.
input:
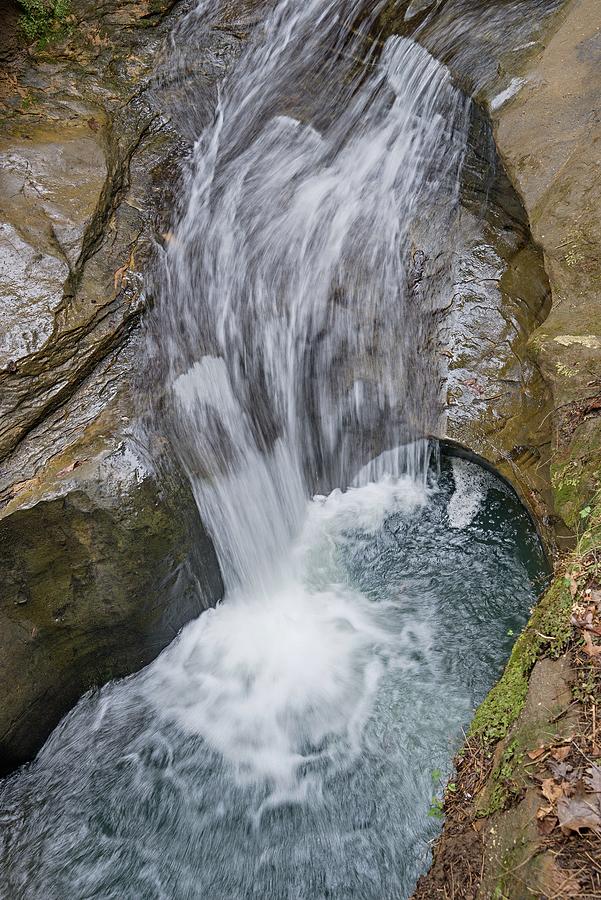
[291,743]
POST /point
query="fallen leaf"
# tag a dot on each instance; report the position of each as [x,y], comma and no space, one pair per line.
[560,770]
[589,647]
[560,753]
[120,277]
[583,810]
[546,825]
[594,629]
[69,468]
[534,754]
[551,790]
[543,811]
[593,779]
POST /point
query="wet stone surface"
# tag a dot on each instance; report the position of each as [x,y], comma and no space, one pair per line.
[87,156]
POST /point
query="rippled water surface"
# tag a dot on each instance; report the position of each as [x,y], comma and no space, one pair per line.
[286,746]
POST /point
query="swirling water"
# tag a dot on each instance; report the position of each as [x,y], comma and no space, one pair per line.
[287,745]
[283,746]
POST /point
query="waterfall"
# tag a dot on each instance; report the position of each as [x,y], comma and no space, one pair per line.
[296,319]
[284,746]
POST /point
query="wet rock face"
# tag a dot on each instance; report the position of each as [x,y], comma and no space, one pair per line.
[103,557]
[497,402]
[80,157]
[50,183]
[89,155]
[549,135]
[96,579]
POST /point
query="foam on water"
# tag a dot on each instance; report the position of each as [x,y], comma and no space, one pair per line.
[471,486]
[271,672]
[282,746]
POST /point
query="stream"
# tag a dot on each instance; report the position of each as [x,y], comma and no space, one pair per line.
[293,742]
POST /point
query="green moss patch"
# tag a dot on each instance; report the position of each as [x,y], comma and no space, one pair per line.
[505,785]
[548,632]
[43,20]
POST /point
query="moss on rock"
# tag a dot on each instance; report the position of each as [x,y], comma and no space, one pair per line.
[43,20]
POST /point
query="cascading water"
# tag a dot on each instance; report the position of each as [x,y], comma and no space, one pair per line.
[295,326]
[284,745]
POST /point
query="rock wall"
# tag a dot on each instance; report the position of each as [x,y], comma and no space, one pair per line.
[532,748]
[102,558]
[548,131]
[100,570]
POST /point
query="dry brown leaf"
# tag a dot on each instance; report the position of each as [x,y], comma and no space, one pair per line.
[546,825]
[551,790]
[120,277]
[543,811]
[589,647]
[561,770]
[534,754]
[583,810]
[593,779]
[560,753]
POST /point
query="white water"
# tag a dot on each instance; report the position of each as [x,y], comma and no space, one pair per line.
[295,326]
[471,486]
[293,665]
[282,747]
[294,332]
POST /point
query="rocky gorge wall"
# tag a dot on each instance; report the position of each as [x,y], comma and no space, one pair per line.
[523,817]
[102,559]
